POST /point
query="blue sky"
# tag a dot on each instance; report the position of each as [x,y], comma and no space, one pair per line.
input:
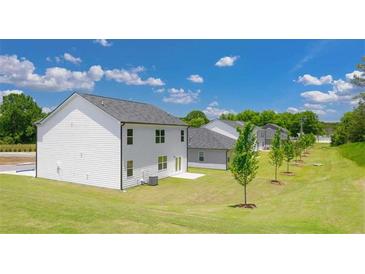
[182,75]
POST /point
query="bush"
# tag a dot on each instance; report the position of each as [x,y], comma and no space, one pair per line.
[18,148]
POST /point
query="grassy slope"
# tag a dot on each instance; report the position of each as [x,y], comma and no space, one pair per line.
[354,152]
[324,199]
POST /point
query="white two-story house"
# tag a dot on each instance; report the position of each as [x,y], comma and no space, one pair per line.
[110,143]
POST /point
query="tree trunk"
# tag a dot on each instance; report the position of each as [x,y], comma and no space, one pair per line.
[287,166]
[276,172]
[245,194]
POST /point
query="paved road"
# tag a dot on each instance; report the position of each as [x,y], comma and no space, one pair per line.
[16,167]
[17,154]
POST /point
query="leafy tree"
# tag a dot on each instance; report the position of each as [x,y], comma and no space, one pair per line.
[228,116]
[298,150]
[352,125]
[18,112]
[249,115]
[196,122]
[267,116]
[288,151]
[276,153]
[196,118]
[244,163]
[196,114]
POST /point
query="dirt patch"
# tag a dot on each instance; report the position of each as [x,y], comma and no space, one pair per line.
[251,206]
[16,160]
[276,182]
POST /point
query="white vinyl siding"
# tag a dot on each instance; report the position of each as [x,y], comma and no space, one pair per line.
[145,152]
[213,158]
[80,143]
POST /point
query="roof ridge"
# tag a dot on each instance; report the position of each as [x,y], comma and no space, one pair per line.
[112,98]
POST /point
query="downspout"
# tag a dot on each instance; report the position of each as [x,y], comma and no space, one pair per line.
[36,151]
[121,155]
[187,149]
[226,159]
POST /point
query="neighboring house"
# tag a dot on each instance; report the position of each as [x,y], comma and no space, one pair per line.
[110,143]
[269,132]
[229,129]
[209,149]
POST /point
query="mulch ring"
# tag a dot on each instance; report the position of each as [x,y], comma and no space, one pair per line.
[251,206]
[276,182]
[288,173]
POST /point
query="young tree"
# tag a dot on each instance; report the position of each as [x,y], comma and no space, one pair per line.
[244,163]
[298,150]
[276,153]
[288,150]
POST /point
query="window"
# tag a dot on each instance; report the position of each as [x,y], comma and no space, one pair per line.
[182,135]
[129,136]
[201,156]
[160,136]
[162,162]
[129,168]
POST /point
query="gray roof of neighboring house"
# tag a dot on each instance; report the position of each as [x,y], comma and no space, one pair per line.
[232,123]
[275,126]
[132,112]
[205,138]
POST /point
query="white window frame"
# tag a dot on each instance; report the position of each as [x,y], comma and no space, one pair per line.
[130,168]
[130,136]
[159,137]
[163,163]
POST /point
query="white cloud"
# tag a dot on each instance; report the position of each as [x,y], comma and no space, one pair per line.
[314,106]
[342,86]
[226,61]
[350,76]
[320,97]
[159,90]
[21,73]
[72,59]
[292,110]
[213,110]
[7,92]
[47,109]
[308,79]
[180,96]
[195,78]
[103,42]
[131,77]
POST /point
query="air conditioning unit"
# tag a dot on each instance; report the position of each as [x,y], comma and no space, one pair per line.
[153,180]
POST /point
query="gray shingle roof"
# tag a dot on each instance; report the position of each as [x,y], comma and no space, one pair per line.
[205,138]
[132,112]
[233,123]
[275,126]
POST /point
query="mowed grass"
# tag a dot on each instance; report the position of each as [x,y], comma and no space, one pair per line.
[354,152]
[318,199]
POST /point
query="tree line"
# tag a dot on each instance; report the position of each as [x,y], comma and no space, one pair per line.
[352,125]
[291,121]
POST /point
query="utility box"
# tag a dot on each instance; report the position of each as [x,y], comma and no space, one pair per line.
[153,180]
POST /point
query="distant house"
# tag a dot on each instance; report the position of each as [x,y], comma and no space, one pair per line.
[209,149]
[110,143]
[211,145]
[269,132]
[229,129]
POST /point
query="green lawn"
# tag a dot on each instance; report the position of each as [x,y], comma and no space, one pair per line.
[354,152]
[319,199]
